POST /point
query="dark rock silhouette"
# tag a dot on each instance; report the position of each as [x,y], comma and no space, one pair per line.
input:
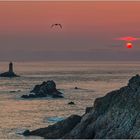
[56,131]
[76,88]
[71,103]
[114,116]
[45,89]
[10,73]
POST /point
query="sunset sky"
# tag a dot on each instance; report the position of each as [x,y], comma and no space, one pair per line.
[89,30]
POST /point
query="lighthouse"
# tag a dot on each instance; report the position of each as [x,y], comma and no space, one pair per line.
[10,73]
[11,67]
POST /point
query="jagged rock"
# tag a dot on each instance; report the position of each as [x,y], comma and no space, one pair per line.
[134,83]
[57,130]
[10,73]
[45,89]
[114,116]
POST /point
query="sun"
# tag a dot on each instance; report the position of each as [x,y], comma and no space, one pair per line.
[129,45]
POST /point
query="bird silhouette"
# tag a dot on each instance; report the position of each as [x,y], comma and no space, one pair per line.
[56,24]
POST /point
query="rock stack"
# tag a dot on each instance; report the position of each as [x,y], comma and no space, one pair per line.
[114,116]
[46,89]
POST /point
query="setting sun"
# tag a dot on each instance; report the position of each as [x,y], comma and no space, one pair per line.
[129,45]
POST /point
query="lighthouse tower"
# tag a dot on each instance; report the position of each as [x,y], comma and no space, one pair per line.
[11,67]
[10,73]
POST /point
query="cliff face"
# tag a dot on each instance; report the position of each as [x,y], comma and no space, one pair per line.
[116,115]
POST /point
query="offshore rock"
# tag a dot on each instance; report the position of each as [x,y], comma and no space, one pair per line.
[71,103]
[114,116]
[10,73]
[44,90]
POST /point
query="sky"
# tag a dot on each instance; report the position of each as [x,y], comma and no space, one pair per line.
[89,30]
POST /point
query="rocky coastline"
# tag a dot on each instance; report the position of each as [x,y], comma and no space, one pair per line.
[114,116]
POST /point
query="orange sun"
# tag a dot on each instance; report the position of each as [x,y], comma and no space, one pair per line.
[129,45]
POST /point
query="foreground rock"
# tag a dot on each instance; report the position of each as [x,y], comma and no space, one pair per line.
[56,131]
[114,116]
[10,73]
[46,89]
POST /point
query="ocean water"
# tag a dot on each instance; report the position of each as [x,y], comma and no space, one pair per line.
[94,79]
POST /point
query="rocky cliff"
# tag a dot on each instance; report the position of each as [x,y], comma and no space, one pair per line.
[114,116]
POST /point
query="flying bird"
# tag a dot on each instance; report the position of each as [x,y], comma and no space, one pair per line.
[56,25]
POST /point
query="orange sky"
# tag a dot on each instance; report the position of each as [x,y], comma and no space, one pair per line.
[75,16]
[88,27]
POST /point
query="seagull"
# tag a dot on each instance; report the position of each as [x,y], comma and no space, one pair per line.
[56,24]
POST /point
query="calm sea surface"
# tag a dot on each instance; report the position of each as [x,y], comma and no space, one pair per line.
[94,79]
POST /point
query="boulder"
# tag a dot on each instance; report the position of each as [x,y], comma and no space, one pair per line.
[114,116]
[45,89]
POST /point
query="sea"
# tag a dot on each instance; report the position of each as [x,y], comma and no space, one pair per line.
[94,79]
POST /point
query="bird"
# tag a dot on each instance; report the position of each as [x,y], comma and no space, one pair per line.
[56,24]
